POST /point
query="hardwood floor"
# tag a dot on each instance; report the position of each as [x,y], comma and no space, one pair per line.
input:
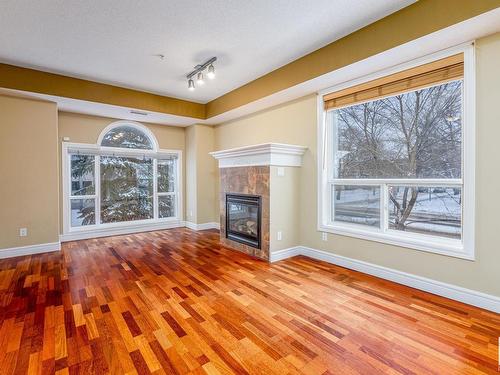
[176,302]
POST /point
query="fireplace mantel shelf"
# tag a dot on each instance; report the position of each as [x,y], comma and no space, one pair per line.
[277,154]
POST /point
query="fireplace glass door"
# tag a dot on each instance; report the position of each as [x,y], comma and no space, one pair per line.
[243,219]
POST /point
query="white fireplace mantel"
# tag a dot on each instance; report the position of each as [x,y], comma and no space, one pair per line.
[277,154]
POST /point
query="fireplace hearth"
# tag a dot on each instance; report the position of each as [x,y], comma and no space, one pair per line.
[243,219]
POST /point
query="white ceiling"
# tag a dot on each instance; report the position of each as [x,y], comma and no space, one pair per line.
[115,41]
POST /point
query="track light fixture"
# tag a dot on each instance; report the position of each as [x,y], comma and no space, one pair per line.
[198,72]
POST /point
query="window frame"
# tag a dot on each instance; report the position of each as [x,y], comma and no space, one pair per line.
[463,248]
[70,148]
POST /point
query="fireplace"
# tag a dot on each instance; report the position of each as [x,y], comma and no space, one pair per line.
[245,195]
[243,219]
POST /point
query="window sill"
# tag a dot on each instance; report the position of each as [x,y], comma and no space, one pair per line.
[448,247]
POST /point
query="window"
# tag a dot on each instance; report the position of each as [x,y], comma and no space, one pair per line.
[396,158]
[126,188]
[83,193]
[122,180]
[166,187]
[127,136]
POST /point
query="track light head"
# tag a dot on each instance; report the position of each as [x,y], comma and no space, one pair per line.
[211,72]
[199,79]
[190,85]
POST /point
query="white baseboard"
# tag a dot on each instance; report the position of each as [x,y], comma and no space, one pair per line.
[275,256]
[106,232]
[203,226]
[471,297]
[29,250]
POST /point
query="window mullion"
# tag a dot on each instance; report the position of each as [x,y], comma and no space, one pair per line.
[422,182]
[90,196]
[97,182]
[384,212]
[69,190]
[155,188]
[177,199]
[331,201]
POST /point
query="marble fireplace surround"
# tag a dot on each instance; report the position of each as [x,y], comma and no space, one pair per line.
[246,170]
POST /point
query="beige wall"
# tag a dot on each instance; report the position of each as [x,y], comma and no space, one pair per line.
[86,129]
[191,180]
[284,208]
[201,175]
[207,174]
[295,123]
[28,172]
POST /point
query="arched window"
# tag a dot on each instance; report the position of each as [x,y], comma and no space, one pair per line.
[125,134]
[122,180]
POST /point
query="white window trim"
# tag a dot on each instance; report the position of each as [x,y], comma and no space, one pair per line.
[97,150]
[464,248]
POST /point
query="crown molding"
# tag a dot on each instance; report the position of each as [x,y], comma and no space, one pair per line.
[278,154]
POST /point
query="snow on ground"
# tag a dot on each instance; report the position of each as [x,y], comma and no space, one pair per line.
[437,213]
[438,203]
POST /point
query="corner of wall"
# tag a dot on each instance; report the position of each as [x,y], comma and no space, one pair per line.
[201,175]
[284,208]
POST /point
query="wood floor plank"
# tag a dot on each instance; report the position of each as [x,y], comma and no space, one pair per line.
[178,302]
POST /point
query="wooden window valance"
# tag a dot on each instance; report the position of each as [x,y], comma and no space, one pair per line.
[440,71]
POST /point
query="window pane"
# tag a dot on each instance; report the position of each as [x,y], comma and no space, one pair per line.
[434,211]
[412,135]
[127,137]
[82,175]
[166,206]
[356,204]
[82,212]
[166,176]
[126,189]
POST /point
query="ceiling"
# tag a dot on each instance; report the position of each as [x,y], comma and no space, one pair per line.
[117,41]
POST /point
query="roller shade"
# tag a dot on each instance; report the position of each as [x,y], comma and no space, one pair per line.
[440,71]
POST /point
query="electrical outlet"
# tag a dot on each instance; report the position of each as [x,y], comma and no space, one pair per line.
[23,232]
[324,236]
[190,213]
[281,171]
[279,235]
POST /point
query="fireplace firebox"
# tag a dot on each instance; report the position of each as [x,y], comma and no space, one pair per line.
[243,219]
